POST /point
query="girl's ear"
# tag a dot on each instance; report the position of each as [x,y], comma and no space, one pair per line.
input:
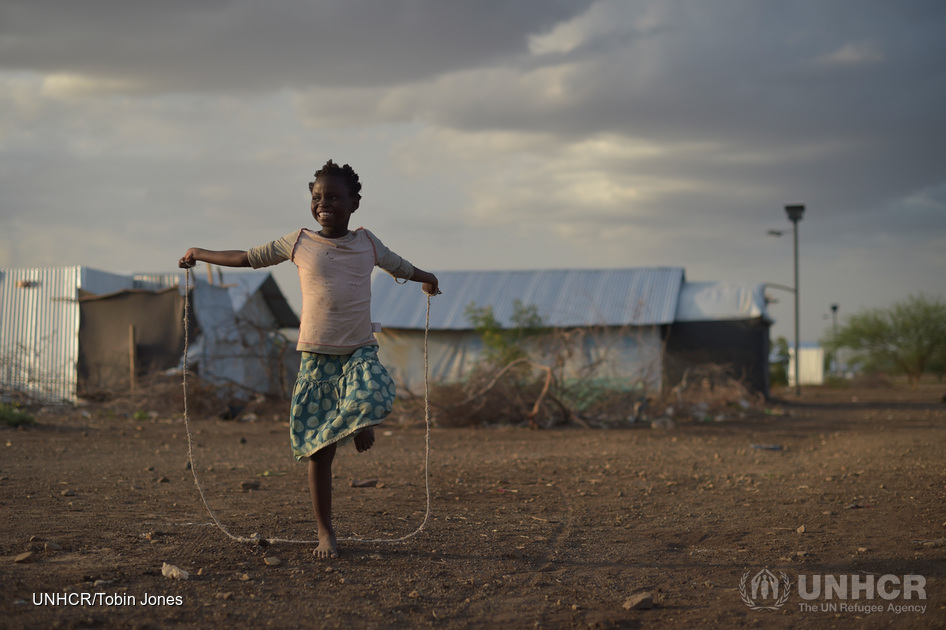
[356,204]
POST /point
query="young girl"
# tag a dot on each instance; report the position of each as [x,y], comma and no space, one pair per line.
[342,390]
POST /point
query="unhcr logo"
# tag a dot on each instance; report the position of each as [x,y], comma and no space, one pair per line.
[765,591]
[856,594]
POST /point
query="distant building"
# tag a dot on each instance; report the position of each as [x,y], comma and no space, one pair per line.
[811,366]
[643,325]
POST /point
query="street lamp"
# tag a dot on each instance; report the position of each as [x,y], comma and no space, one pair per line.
[834,335]
[795,213]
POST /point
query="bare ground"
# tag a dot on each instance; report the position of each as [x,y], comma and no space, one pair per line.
[528,528]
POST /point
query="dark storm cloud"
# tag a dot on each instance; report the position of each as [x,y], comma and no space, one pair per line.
[250,45]
[838,99]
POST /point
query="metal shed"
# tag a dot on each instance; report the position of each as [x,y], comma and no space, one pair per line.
[621,315]
[636,325]
[73,330]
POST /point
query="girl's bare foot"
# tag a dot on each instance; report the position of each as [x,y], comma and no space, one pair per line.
[364,439]
[327,547]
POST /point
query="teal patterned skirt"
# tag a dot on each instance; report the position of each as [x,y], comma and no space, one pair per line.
[336,396]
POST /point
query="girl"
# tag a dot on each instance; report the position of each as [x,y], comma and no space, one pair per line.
[342,390]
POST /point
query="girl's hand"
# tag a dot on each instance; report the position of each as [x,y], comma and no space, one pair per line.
[431,288]
[429,282]
[189,259]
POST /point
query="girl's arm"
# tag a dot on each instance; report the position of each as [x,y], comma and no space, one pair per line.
[431,285]
[228,258]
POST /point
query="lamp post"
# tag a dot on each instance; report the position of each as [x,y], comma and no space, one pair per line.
[834,335]
[795,213]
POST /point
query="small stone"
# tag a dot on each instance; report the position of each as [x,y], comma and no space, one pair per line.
[224,596]
[272,561]
[801,530]
[68,493]
[245,577]
[364,483]
[640,601]
[101,582]
[862,550]
[173,572]
[246,486]
[414,595]
[163,480]
[53,546]
[25,557]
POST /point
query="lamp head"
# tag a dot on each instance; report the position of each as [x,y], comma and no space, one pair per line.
[795,212]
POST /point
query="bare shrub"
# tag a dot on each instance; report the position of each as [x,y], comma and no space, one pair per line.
[162,395]
[711,392]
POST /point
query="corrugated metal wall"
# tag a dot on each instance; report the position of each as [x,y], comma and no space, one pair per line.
[39,328]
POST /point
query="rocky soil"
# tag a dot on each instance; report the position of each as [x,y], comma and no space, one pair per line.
[618,528]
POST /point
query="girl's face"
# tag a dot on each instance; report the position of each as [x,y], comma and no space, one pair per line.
[332,205]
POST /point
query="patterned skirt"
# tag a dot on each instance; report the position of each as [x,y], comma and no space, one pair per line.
[336,396]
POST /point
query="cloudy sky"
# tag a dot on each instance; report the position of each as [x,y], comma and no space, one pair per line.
[489,134]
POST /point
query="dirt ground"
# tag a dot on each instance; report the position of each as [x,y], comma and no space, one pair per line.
[528,528]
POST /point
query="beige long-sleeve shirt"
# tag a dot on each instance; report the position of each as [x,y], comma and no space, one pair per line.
[335,278]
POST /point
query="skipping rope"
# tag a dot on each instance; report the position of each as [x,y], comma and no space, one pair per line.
[256,539]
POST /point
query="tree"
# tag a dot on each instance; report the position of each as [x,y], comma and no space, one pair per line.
[904,338]
[504,345]
[778,370]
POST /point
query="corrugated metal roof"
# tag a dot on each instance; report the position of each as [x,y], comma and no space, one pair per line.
[158,281]
[563,298]
[101,282]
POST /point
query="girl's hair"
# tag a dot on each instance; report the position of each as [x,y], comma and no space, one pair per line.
[345,172]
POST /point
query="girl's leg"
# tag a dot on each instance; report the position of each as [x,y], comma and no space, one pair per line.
[320,488]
